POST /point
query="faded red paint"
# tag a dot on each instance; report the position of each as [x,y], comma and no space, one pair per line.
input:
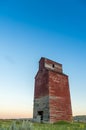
[60,108]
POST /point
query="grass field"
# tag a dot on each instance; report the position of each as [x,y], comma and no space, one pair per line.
[26,125]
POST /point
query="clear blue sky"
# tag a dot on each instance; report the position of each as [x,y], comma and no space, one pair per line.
[29,30]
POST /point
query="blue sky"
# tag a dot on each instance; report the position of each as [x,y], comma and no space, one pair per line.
[29,30]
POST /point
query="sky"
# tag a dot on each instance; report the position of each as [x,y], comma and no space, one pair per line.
[29,30]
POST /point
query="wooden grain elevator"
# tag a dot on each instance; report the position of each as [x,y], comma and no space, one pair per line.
[52,101]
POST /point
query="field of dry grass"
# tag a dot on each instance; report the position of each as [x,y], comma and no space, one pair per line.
[27,125]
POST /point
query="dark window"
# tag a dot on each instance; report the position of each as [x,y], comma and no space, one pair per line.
[53,65]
